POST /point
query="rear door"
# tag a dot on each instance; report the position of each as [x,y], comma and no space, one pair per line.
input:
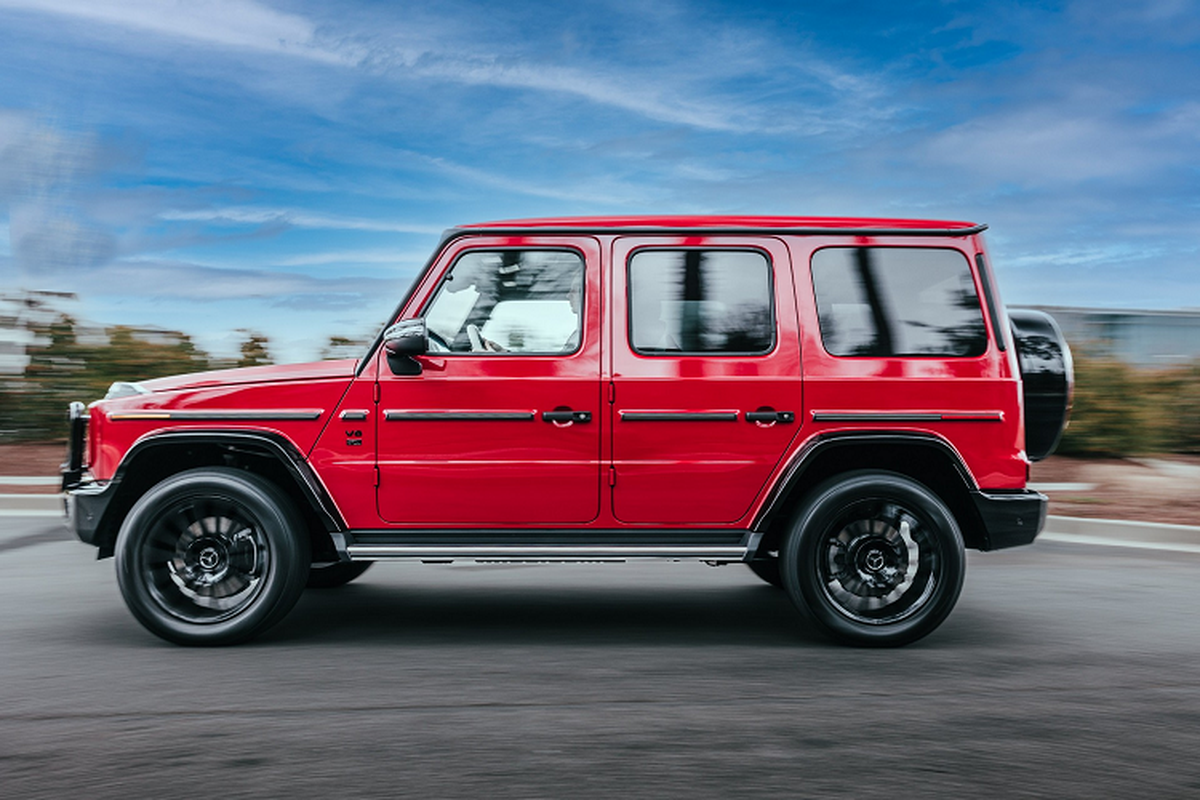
[706,375]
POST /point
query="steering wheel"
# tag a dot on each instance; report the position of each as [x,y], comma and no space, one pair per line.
[480,344]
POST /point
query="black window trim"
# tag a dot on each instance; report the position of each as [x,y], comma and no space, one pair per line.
[583,304]
[923,356]
[989,297]
[700,353]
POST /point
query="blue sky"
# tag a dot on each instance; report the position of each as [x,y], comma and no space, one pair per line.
[286,165]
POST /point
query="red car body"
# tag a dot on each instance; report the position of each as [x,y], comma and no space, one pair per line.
[710,451]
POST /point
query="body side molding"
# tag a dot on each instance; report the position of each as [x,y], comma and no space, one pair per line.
[391,415]
[908,416]
[678,416]
[223,414]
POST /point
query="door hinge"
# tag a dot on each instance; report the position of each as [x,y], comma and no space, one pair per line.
[376,392]
[376,476]
[612,393]
[612,476]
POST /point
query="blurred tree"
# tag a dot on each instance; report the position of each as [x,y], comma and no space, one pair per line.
[254,350]
[1117,411]
[1183,411]
[63,369]
[345,347]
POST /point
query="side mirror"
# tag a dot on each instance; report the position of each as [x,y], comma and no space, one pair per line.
[407,338]
[401,342]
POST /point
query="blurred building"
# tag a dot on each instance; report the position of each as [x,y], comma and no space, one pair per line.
[1145,339]
[21,314]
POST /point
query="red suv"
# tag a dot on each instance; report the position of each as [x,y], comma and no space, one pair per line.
[841,404]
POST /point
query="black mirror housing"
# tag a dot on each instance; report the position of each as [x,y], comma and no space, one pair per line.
[407,338]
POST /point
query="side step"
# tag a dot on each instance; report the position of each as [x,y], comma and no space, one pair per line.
[548,546]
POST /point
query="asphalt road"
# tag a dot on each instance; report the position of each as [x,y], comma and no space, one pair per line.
[1065,671]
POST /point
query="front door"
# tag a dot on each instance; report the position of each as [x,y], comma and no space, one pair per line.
[502,425]
[706,374]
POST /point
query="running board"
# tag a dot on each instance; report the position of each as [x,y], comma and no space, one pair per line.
[367,546]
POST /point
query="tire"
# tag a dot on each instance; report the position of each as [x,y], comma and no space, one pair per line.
[331,576]
[874,559]
[768,570]
[212,556]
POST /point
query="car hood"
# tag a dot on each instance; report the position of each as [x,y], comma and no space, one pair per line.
[273,373]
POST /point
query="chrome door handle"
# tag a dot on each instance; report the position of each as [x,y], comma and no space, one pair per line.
[767,415]
[566,415]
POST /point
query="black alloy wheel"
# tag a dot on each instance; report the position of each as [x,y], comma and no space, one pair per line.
[874,559]
[212,557]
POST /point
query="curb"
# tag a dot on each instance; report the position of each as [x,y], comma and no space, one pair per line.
[1125,529]
[1122,533]
[32,505]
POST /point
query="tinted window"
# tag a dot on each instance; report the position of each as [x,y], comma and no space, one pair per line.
[509,301]
[700,301]
[897,301]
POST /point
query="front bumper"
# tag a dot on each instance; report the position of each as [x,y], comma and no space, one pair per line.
[86,501]
[86,504]
[1010,519]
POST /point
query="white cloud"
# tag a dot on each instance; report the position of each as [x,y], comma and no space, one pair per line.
[253,215]
[627,94]
[37,160]
[437,50]
[342,257]
[1046,146]
[229,23]
[47,240]
[174,279]
[597,191]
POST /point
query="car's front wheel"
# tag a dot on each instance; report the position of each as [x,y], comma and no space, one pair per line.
[874,558]
[212,556]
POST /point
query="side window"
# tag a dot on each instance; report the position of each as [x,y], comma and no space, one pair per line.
[509,301]
[700,301]
[897,301]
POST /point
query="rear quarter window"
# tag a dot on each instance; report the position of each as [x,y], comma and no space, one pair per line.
[897,301]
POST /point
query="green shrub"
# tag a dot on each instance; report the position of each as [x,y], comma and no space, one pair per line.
[1122,411]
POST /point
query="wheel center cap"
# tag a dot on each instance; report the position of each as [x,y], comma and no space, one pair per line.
[874,561]
[209,558]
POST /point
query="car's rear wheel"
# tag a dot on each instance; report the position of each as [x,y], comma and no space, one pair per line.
[211,557]
[338,573]
[874,558]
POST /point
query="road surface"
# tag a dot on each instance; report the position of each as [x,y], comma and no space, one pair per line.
[1065,671]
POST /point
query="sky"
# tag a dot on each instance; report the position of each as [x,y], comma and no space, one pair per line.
[286,166]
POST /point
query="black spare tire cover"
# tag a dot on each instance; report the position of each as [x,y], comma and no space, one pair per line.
[1048,377]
